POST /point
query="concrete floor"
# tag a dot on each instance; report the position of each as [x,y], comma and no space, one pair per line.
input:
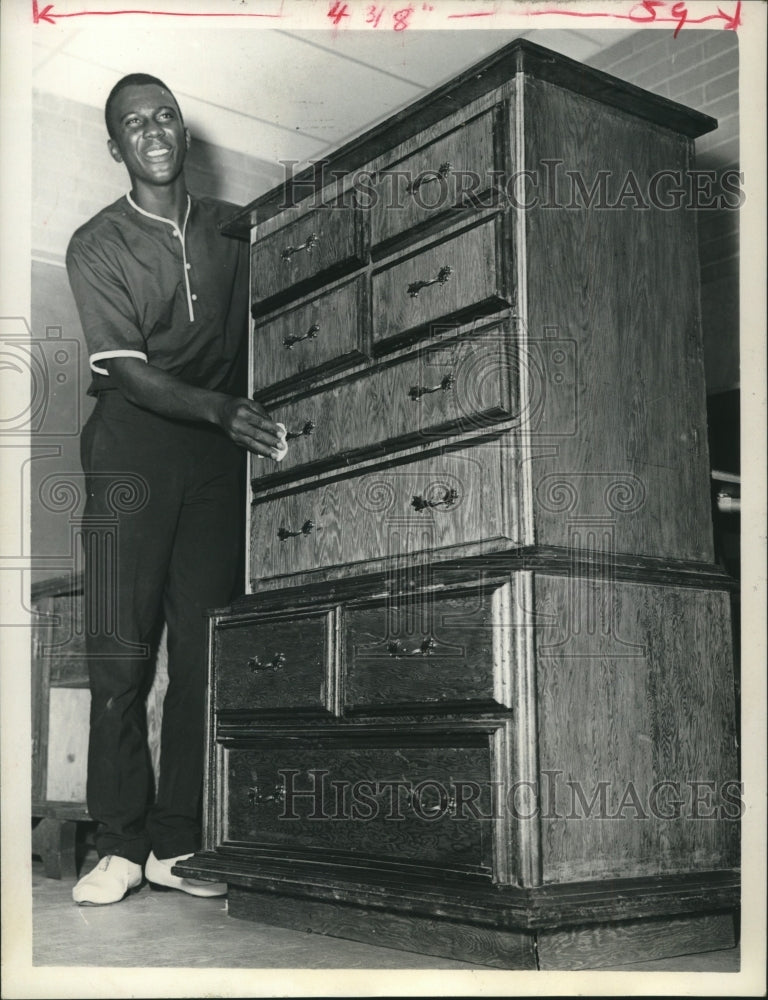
[172,930]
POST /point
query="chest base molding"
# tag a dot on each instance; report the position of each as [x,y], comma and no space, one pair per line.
[575,926]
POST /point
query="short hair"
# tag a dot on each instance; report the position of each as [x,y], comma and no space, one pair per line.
[132,80]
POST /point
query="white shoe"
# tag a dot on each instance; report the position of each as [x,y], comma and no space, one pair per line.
[159,876]
[111,879]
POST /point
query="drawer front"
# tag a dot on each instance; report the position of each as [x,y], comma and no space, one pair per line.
[383,513]
[427,649]
[324,796]
[322,333]
[435,180]
[456,279]
[447,387]
[318,246]
[267,665]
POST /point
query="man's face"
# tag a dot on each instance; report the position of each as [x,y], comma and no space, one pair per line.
[149,135]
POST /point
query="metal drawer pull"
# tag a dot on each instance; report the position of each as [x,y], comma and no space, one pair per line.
[417,391]
[257,796]
[305,529]
[442,276]
[311,333]
[276,663]
[305,431]
[449,498]
[445,805]
[308,245]
[428,176]
[425,649]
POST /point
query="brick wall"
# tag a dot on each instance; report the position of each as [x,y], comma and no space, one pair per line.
[701,70]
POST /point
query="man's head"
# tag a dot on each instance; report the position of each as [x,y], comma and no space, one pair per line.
[146,129]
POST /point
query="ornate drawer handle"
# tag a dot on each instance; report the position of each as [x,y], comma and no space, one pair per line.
[311,333]
[417,391]
[441,807]
[442,276]
[425,649]
[307,528]
[276,663]
[437,809]
[431,175]
[449,498]
[305,431]
[311,241]
[258,796]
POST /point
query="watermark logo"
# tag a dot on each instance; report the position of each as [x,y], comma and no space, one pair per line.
[292,794]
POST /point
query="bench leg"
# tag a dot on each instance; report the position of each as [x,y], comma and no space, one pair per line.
[54,840]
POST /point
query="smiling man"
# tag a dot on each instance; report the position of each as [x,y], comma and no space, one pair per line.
[162,298]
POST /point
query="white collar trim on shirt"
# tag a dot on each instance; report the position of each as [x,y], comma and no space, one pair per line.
[161,218]
[185,266]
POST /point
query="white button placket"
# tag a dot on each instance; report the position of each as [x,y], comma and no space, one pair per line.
[179,236]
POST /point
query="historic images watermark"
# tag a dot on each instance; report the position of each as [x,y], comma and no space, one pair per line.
[314,795]
[41,417]
[551,184]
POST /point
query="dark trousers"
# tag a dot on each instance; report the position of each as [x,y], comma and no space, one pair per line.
[162,533]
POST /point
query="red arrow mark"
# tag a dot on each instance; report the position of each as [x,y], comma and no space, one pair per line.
[41,15]
[48,15]
[734,22]
[649,7]
[646,13]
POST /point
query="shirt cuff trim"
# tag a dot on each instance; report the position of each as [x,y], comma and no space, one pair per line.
[112,354]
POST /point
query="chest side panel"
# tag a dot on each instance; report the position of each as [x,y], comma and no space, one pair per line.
[617,279]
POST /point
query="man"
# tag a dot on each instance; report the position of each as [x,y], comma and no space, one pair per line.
[162,298]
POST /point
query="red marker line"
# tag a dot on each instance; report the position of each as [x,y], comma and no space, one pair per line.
[50,16]
[680,15]
[732,22]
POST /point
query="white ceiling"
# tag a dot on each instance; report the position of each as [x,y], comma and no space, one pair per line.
[277,94]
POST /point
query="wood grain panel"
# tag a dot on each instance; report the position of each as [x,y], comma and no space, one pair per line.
[67,751]
[337,323]
[634,941]
[337,230]
[272,664]
[623,287]
[635,688]
[454,939]
[362,816]
[422,648]
[474,284]
[412,192]
[372,516]
[388,408]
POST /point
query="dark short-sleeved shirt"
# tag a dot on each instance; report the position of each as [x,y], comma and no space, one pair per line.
[178,299]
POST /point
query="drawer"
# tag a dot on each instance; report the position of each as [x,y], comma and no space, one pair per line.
[318,246]
[428,649]
[438,178]
[334,796]
[326,332]
[456,279]
[446,387]
[426,505]
[265,665]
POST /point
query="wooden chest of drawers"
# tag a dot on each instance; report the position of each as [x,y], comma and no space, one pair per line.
[485,661]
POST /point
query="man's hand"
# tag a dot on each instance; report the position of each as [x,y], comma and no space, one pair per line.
[249,425]
[246,422]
